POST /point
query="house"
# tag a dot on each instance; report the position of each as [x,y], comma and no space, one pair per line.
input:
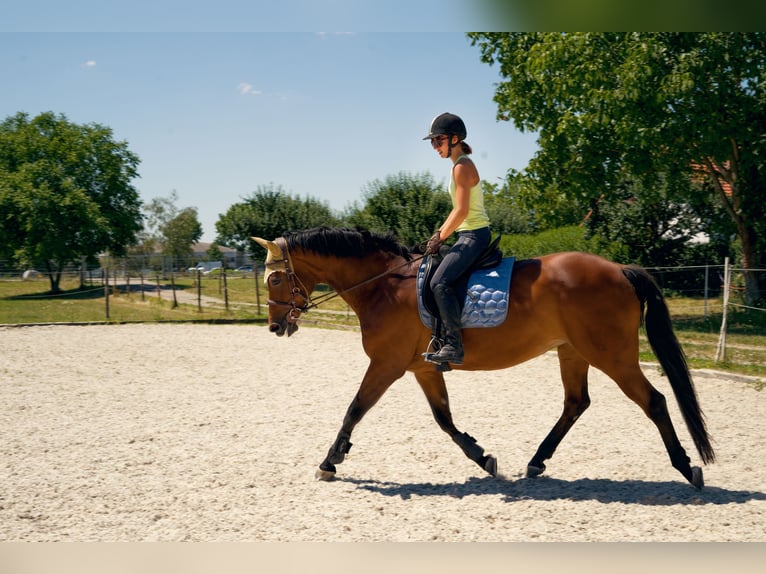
[231,257]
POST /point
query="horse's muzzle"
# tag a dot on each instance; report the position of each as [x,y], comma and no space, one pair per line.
[283,327]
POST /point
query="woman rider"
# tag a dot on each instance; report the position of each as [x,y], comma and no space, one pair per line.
[468,218]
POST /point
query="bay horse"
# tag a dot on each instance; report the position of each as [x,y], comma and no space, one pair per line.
[588,308]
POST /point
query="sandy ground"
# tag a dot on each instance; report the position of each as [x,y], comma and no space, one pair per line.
[213,433]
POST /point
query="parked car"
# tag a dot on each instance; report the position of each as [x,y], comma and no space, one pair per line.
[213,271]
[244,269]
[205,266]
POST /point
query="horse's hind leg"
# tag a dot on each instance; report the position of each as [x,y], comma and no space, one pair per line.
[638,388]
[432,383]
[574,375]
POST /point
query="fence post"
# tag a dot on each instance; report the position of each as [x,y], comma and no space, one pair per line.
[173,286]
[707,272]
[255,278]
[720,352]
[106,290]
[199,291]
[225,287]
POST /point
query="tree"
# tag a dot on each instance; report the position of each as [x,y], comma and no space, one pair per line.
[505,213]
[686,107]
[174,230]
[520,206]
[644,226]
[410,206]
[181,233]
[65,192]
[268,213]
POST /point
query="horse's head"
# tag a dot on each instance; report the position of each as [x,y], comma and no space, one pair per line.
[287,295]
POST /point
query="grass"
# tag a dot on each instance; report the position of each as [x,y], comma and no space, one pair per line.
[697,325]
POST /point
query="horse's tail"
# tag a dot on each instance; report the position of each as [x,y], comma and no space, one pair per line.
[662,339]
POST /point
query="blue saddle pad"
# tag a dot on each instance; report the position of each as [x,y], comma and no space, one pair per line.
[486,299]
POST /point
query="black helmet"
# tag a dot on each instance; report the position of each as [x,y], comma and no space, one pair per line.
[447,124]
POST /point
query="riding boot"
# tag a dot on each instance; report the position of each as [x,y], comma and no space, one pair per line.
[449,311]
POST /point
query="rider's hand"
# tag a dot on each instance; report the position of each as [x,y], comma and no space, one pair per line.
[434,243]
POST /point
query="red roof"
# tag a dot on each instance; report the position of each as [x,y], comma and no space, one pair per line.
[716,172]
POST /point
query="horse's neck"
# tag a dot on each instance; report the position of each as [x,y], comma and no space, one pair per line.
[354,279]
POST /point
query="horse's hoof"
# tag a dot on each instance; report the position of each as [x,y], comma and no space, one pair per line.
[697,479]
[533,471]
[490,465]
[325,475]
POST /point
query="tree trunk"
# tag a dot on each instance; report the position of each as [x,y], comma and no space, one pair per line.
[54,276]
[734,200]
[749,260]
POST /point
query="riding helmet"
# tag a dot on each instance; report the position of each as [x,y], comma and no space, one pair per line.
[447,124]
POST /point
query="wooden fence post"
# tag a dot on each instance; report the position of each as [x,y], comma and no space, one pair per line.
[720,352]
[173,286]
[225,288]
[255,278]
[106,290]
[199,291]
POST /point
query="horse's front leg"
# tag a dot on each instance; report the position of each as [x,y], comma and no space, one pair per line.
[376,381]
[432,383]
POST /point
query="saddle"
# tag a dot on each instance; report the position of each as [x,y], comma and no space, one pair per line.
[483,292]
[491,257]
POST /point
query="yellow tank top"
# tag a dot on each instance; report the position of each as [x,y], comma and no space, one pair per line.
[477,215]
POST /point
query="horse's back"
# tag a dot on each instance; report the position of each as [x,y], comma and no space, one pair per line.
[578,298]
[563,298]
[579,264]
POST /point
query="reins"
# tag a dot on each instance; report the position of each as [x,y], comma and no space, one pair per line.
[296,285]
[333,294]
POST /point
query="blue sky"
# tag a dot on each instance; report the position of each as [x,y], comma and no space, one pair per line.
[215,115]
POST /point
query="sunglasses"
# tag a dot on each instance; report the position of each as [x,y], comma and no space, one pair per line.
[438,141]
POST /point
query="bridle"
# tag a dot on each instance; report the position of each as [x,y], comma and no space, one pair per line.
[298,289]
[296,286]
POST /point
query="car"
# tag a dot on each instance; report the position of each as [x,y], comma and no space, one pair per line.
[213,271]
[244,269]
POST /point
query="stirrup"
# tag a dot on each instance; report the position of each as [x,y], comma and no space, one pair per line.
[434,346]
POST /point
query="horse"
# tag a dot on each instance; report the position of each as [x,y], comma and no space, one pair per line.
[588,308]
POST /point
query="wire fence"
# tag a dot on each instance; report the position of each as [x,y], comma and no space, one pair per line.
[706,282]
[715,291]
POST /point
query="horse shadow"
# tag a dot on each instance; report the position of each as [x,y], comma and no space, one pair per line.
[544,488]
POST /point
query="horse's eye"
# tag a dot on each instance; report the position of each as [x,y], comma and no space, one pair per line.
[274,280]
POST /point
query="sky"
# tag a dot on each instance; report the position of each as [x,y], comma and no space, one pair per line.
[221,99]
[215,116]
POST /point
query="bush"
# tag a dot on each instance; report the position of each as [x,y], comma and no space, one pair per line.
[571,238]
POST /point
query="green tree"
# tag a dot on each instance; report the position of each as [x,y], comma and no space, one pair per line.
[181,233]
[681,106]
[644,226]
[214,252]
[174,230]
[410,206]
[505,213]
[268,213]
[65,192]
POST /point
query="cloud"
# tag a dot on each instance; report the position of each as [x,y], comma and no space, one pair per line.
[246,89]
[89,64]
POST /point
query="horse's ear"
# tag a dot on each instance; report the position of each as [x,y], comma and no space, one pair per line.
[269,246]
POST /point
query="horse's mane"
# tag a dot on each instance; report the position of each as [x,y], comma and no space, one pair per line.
[345,242]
